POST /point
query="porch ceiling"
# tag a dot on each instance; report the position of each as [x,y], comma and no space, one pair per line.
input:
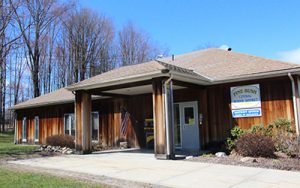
[137,90]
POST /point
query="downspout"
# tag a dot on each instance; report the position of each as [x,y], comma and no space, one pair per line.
[16,128]
[294,103]
[168,123]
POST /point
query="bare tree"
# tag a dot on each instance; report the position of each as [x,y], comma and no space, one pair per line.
[6,42]
[33,18]
[89,36]
[135,46]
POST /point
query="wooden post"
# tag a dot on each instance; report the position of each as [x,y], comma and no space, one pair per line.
[160,122]
[83,109]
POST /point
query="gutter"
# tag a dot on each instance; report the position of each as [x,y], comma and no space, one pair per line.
[262,75]
[169,124]
[118,81]
[294,103]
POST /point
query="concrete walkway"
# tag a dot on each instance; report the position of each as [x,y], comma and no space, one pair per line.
[142,167]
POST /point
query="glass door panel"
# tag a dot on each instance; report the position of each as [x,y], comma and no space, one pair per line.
[177,127]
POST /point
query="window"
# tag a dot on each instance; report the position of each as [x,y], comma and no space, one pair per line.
[69,124]
[189,118]
[24,129]
[177,127]
[95,126]
[36,128]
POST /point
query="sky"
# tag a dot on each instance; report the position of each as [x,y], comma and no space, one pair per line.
[268,28]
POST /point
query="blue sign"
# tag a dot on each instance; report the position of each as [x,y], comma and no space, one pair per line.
[253,112]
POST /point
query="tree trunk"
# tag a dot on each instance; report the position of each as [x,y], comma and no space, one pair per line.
[3,95]
[35,77]
[1,92]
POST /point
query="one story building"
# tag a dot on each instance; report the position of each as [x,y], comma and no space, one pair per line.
[184,102]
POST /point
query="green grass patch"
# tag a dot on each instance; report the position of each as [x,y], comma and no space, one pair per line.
[208,155]
[13,179]
[7,146]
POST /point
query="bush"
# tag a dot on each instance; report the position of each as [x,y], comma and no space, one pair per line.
[284,137]
[281,131]
[61,140]
[284,125]
[257,129]
[255,145]
[235,133]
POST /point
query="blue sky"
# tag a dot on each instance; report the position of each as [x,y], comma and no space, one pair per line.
[268,28]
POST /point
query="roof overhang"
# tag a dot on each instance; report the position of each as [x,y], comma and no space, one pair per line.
[195,79]
[16,107]
[58,102]
[262,75]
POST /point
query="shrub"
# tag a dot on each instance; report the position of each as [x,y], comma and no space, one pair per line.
[257,129]
[284,125]
[284,137]
[235,133]
[255,145]
[61,140]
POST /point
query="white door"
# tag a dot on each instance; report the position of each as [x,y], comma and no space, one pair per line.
[186,133]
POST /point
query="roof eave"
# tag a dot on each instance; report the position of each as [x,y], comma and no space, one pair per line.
[190,78]
[256,76]
[41,104]
[128,79]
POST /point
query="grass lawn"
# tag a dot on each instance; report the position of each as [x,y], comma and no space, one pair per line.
[13,179]
[7,146]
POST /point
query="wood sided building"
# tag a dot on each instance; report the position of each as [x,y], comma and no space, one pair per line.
[185,102]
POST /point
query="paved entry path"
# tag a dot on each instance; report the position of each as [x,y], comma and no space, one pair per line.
[142,167]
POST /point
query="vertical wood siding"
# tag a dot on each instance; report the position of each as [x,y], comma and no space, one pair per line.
[276,98]
[213,103]
[51,121]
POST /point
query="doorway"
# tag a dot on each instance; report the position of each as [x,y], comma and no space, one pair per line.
[186,128]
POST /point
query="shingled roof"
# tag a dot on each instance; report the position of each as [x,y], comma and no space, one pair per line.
[210,66]
[59,96]
[219,64]
[152,69]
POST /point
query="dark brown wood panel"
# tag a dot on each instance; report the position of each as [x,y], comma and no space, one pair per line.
[276,98]
[51,121]
[213,103]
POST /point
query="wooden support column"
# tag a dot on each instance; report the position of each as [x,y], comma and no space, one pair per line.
[161,119]
[83,109]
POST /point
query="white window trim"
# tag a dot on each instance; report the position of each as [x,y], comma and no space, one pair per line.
[70,128]
[36,139]
[96,112]
[24,139]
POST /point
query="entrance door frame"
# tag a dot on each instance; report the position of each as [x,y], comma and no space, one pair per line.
[181,116]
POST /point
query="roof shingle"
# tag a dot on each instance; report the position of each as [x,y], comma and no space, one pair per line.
[211,65]
[219,64]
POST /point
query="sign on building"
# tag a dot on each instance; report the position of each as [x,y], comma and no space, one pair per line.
[245,101]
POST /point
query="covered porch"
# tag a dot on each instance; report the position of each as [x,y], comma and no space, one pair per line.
[167,105]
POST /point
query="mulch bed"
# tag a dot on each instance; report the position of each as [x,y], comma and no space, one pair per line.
[281,162]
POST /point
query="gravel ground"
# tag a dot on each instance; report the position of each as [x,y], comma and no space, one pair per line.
[281,162]
[20,156]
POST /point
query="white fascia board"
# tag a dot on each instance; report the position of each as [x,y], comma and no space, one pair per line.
[258,76]
[125,80]
[189,78]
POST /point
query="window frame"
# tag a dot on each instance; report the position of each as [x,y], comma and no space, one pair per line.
[70,126]
[36,137]
[95,112]
[184,116]
[24,127]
